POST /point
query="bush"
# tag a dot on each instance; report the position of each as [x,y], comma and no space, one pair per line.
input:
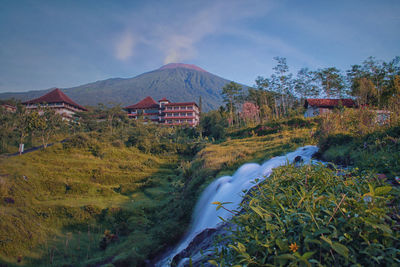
[335,140]
[310,215]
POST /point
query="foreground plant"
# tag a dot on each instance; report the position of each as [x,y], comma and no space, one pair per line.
[313,216]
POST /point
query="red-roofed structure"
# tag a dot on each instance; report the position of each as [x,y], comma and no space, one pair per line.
[318,106]
[58,101]
[165,112]
[146,103]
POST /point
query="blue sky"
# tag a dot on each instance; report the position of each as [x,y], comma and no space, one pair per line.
[58,43]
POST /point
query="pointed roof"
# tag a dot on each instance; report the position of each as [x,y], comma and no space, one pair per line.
[329,103]
[55,96]
[148,102]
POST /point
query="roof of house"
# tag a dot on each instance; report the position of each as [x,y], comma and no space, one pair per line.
[163,99]
[55,96]
[148,102]
[181,104]
[329,103]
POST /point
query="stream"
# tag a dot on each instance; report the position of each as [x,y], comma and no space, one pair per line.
[231,189]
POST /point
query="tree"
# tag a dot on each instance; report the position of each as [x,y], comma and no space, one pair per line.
[24,123]
[305,84]
[213,124]
[263,99]
[281,83]
[46,124]
[366,91]
[250,112]
[332,81]
[7,126]
[231,93]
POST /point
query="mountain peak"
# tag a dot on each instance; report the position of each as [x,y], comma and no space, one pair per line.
[182,66]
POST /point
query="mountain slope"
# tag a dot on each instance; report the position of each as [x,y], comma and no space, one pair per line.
[177,82]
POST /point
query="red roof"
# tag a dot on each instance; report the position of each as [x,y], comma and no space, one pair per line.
[55,96]
[329,103]
[163,99]
[181,104]
[148,102]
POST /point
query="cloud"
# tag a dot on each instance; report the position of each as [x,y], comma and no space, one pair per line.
[177,31]
[124,46]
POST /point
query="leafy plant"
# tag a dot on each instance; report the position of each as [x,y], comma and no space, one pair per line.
[313,216]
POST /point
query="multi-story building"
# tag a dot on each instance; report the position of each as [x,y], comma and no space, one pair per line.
[57,101]
[165,112]
[147,109]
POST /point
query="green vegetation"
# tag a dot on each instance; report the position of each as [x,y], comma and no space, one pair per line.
[100,198]
[354,137]
[314,216]
[119,192]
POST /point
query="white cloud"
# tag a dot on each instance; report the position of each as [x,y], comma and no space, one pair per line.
[124,46]
[176,33]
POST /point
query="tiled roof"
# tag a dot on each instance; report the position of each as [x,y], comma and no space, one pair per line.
[329,103]
[163,99]
[55,96]
[148,102]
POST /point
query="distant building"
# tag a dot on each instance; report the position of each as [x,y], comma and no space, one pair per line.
[9,108]
[318,106]
[147,109]
[165,112]
[57,101]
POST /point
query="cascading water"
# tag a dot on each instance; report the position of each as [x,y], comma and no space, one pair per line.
[230,189]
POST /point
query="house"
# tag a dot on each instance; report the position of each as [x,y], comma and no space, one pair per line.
[57,101]
[9,108]
[318,106]
[165,112]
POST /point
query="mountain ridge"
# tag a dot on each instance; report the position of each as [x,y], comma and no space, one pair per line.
[178,82]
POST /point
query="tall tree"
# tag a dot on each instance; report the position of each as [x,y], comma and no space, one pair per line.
[305,84]
[332,81]
[47,123]
[263,99]
[231,93]
[281,83]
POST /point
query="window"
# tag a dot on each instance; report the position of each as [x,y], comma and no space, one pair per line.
[176,108]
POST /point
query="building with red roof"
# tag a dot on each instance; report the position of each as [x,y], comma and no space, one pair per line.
[318,106]
[57,101]
[165,112]
[8,107]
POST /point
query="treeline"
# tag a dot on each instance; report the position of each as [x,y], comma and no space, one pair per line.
[375,83]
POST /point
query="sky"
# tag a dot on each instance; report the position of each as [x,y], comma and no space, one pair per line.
[55,43]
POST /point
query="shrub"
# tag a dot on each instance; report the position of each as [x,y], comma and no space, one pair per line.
[311,215]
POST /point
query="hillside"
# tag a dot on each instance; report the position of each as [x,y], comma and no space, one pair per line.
[89,189]
[177,82]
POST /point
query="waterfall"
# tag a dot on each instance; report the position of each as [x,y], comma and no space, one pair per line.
[230,189]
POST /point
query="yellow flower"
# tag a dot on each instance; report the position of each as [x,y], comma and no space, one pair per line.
[293,247]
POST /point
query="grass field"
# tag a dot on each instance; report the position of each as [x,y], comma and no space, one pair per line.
[84,206]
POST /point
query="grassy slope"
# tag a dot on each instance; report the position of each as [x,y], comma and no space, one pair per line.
[70,197]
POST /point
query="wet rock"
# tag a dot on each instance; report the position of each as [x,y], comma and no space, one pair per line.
[298,159]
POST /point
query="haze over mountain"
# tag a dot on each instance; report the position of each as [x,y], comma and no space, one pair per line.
[176,81]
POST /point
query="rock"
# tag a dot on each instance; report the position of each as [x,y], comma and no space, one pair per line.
[298,159]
